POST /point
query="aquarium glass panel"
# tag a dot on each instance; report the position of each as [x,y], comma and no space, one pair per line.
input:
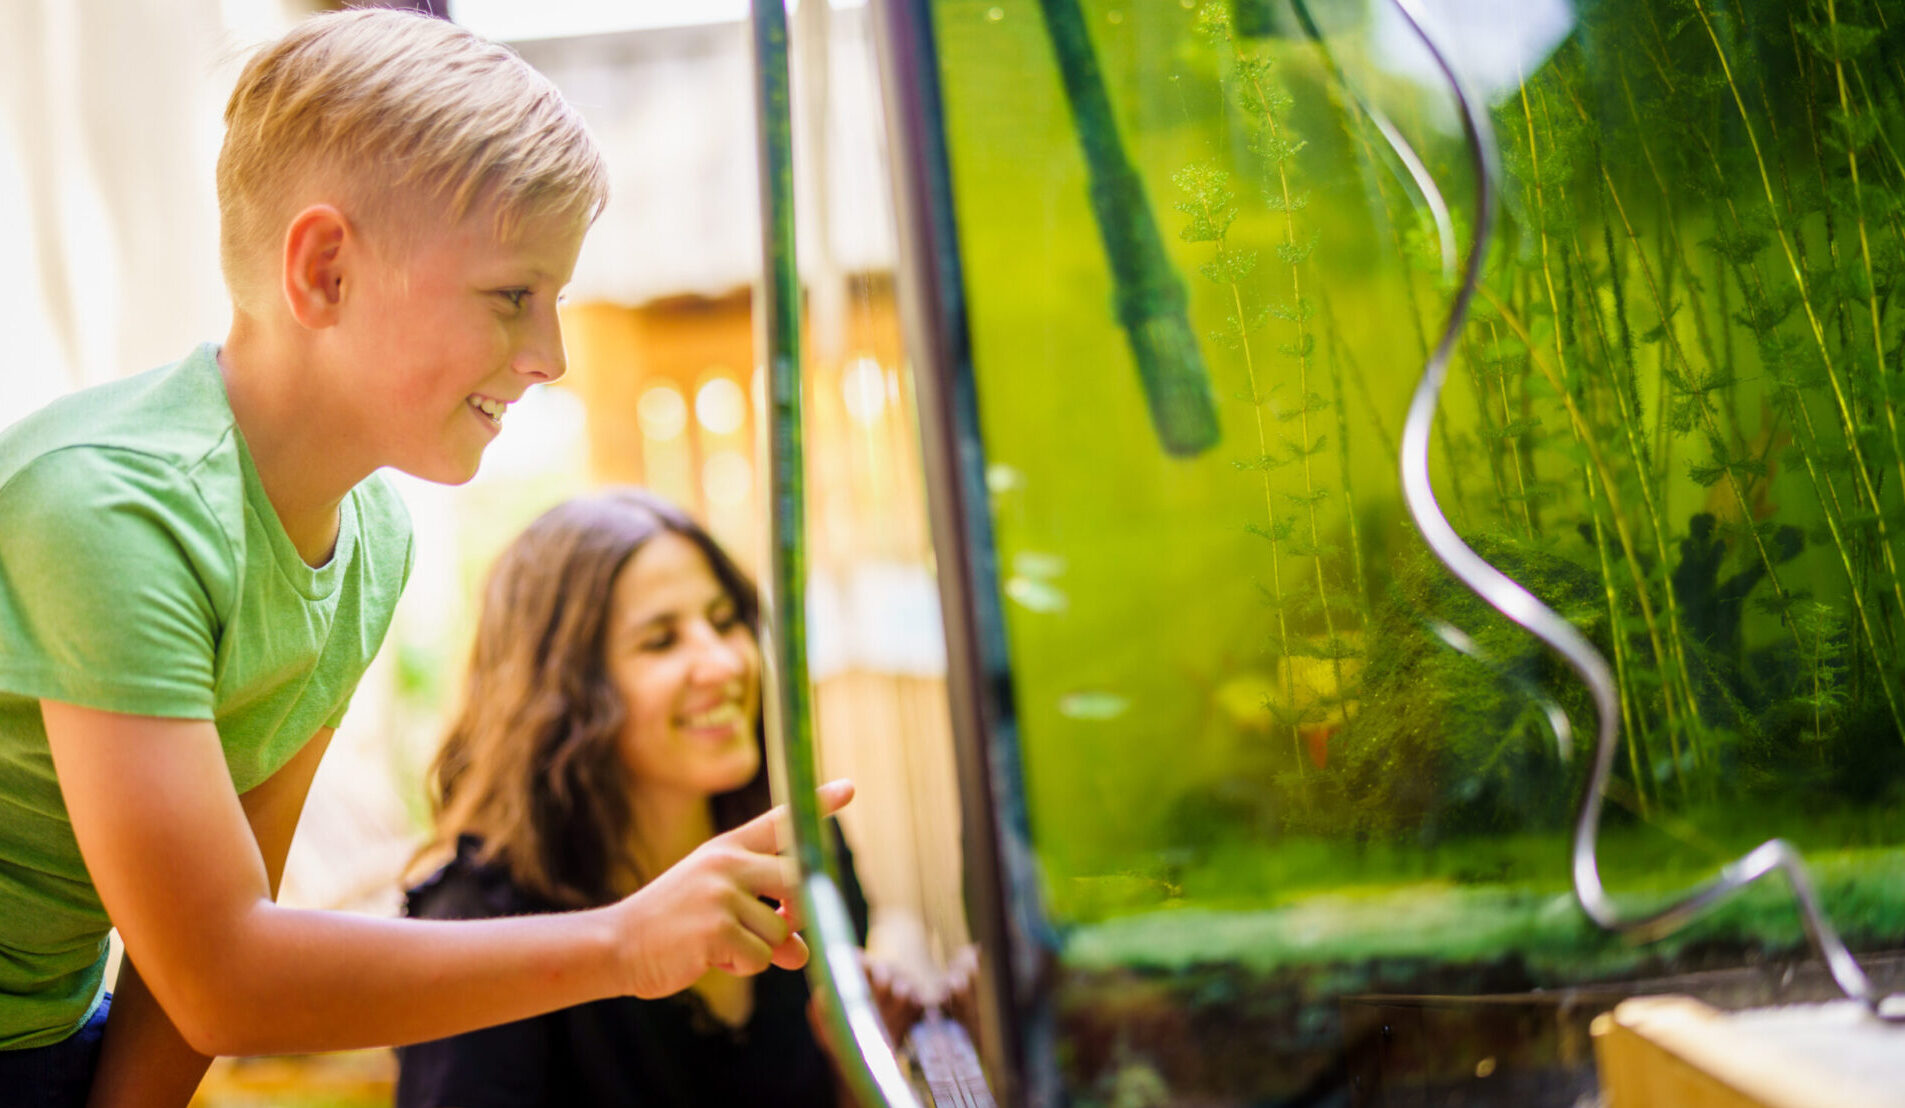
[1288,836]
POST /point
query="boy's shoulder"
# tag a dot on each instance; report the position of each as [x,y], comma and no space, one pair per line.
[174,417]
[166,435]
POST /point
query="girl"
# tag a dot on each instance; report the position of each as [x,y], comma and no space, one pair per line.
[611,725]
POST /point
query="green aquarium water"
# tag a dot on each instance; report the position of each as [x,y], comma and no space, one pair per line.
[1259,785]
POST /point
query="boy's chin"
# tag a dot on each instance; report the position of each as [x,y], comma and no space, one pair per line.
[442,471]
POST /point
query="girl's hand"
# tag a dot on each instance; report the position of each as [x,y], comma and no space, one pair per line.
[707,912]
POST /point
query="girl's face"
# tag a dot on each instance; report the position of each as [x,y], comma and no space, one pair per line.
[688,671]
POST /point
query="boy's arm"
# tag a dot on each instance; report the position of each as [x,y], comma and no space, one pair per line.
[166,842]
[144,1061]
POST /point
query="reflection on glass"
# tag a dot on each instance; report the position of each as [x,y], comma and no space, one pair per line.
[1267,801]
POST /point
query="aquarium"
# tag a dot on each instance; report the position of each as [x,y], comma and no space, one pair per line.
[1255,831]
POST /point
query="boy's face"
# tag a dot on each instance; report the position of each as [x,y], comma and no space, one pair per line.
[447,334]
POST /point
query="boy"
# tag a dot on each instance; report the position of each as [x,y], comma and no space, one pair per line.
[197,564]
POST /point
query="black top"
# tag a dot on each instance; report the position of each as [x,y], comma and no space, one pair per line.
[619,1053]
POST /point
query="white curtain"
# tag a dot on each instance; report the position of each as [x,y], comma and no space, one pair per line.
[109,130]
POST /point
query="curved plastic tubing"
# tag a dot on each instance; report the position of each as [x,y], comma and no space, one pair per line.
[867,1061]
[1412,163]
[1518,604]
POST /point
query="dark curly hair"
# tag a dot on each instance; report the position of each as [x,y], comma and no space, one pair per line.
[531,766]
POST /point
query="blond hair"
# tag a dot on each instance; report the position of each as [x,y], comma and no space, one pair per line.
[390,110]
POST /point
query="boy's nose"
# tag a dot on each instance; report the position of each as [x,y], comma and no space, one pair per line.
[541,357]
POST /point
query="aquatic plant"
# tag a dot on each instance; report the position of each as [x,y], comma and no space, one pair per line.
[1251,87]
[1459,746]
[1700,310]
[1617,362]
[1211,208]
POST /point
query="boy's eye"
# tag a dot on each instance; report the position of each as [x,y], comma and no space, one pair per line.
[514,296]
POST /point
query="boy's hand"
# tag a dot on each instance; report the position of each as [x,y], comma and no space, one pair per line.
[705,911]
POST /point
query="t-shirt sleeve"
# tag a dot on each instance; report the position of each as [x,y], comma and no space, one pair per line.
[386,521]
[109,563]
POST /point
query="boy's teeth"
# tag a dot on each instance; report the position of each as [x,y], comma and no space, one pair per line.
[494,409]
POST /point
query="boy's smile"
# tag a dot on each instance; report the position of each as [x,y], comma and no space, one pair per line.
[490,409]
[447,334]
[393,353]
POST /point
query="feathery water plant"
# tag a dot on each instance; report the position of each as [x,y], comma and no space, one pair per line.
[1798,369]
[1544,167]
[1210,208]
[1677,310]
[1839,44]
[1264,105]
[1850,424]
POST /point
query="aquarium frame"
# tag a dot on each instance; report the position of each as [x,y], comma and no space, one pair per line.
[1004,904]
[867,1063]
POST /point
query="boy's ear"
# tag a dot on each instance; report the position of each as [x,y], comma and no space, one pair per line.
[315,259]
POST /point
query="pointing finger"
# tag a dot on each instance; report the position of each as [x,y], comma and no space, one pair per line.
[770,833]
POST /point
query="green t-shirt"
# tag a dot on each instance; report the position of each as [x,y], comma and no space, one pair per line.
[143,570]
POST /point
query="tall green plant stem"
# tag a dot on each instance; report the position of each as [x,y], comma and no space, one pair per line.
[1584,432]
[1625,399]
[1803,66]
[1822,483]
[1630,421]
[1636,755]
[1850,424]
[1857,593]
[1220,222]
[1831,507]
[1865,255]
[1496,433]
[1809,441]
[1885,141]
[1514,447]
[1257,401]
[1304,347]
[1390,206]
[1342,457]
[1706,413]
[1670,225]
